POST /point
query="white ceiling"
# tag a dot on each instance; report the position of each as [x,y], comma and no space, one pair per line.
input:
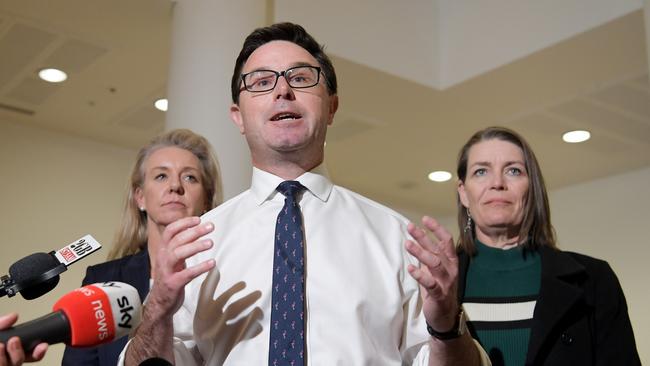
[441,43]
[116,53]
[390,131]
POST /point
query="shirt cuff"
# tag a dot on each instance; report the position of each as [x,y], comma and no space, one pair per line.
[182,355]
[422,359]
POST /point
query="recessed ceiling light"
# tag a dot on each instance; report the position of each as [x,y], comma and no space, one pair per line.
[161,104]
[440,176]
[52,75]
[574,137]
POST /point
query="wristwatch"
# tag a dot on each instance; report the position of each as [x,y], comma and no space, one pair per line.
[459,328]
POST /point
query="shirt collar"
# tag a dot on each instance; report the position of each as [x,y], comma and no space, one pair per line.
[316,181]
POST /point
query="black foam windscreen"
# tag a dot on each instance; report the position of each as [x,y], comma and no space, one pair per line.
[34,274]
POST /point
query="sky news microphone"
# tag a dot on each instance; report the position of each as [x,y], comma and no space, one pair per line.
[38,273]
[88,316]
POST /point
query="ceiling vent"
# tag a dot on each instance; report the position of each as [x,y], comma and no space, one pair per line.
[144,118]
[19,47]
[14,109]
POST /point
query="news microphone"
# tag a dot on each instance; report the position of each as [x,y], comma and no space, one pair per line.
[38,273]
[85,317]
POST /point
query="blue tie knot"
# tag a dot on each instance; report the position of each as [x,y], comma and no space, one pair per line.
[289,188]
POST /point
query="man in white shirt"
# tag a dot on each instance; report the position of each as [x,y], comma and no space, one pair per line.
[367,301]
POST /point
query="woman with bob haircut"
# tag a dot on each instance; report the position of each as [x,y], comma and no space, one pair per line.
[527,302]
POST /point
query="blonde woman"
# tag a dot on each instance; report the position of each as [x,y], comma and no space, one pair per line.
[176,175]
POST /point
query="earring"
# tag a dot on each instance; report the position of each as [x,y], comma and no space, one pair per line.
[141,209]
[468,226]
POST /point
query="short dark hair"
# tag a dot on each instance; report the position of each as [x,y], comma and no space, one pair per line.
[282,32]
[536,229]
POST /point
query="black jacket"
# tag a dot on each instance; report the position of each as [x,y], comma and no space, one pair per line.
[134,270]
[581,315]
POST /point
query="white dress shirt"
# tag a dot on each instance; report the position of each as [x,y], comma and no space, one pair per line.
[362,306]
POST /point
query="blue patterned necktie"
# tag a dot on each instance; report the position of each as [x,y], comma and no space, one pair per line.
[287,342]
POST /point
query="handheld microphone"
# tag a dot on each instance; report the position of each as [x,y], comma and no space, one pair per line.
[87,316]
[38,273]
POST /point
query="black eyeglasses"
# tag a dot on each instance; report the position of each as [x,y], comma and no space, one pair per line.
[298,77]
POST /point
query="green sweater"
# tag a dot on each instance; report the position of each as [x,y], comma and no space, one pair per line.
[500,295]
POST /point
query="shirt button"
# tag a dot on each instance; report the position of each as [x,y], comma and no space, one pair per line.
[566,338]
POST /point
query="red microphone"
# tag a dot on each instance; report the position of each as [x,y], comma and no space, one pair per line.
[88,316]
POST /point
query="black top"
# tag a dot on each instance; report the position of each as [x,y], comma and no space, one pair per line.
[581,315]
[134,270]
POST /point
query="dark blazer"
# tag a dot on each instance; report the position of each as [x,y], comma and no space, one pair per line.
[581,315]
[134,270]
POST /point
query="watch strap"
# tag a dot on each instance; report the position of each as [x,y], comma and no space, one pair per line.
[456,331]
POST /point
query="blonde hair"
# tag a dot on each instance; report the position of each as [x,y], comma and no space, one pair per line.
[131,237]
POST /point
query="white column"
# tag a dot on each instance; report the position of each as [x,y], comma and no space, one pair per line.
[646,16]
[206,38]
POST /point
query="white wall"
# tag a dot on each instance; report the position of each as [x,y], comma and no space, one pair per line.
[54,189]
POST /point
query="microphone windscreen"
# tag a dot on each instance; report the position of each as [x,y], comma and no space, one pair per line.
[40,289]
[100,313]
[28,274]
